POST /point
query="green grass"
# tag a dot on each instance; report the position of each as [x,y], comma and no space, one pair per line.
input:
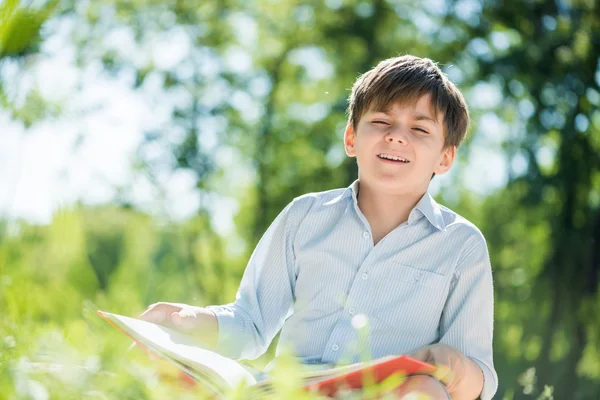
[53,279]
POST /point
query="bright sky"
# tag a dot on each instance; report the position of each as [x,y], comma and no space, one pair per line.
[44,168]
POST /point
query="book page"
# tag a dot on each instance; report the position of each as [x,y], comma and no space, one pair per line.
[185,349]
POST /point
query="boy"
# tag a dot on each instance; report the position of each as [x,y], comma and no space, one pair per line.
[381,250]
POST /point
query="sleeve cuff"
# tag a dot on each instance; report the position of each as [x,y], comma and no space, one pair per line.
[228,344]
[490,381]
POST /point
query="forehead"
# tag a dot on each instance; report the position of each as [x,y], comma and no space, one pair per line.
[422,105]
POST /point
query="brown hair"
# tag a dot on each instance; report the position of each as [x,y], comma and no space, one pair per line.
[405,79]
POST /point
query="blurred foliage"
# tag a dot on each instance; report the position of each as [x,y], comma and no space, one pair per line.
[20,35]
[53,343]
[20,27]
[545,60]
[53,278]
[253,94]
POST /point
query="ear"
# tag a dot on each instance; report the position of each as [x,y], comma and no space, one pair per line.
[446,160]
[349,140]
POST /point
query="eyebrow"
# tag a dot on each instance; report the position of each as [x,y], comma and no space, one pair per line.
[417,117]
[423,117]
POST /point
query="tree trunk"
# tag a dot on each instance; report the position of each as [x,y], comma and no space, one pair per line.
[262,145]
[568,379]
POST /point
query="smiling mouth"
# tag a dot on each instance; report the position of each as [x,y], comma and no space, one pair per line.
[390,157]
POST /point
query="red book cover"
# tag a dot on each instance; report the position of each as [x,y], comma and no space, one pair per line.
[374,373]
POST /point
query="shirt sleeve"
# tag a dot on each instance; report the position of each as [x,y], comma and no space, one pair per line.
[265,297]
[468,317]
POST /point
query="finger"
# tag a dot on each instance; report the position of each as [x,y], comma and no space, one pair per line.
[443,366]
[422,355]
[184,320]
[421,387]
[443,373]
[159,313]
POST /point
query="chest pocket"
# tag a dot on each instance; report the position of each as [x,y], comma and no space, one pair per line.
[409,299]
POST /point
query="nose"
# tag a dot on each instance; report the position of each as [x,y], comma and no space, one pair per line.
[396,136]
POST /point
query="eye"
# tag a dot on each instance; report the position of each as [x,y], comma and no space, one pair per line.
[380,122]
[421,130]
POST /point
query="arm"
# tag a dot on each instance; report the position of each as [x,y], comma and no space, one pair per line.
[245,328]
[264,299]
[464,351]
[467,322]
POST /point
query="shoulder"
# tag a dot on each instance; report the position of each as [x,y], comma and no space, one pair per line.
[317,206]
[467,240]
[315,200]
[460,229]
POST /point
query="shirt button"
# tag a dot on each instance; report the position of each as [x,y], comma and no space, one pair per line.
[335,347]
[365,276]
[366,235]
[418,276]
[352,311]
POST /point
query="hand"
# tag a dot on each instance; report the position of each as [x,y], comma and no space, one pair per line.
[451,364]
[414,387]
[461,375]
[422,386]
[193,320]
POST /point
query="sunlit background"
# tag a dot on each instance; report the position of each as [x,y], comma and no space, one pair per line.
[146,145]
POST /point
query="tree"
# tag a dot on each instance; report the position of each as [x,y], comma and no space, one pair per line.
[20,38]
[543,56]
[253,97]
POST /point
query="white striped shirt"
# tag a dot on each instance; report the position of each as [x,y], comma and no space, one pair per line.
[316,276]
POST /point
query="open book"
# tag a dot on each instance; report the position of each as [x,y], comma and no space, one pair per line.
[219,375]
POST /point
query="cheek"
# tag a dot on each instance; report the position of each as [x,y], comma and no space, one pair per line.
[369,138]
[426,146]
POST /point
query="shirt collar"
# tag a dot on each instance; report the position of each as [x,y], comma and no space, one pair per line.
[431,210]
[350,191]
[353,189]
[427,206]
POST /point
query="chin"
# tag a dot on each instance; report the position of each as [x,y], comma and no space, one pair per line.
[392,184]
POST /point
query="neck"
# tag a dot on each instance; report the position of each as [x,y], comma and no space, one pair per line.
[385,210]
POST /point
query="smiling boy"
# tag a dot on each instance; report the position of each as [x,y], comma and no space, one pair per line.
[381,248]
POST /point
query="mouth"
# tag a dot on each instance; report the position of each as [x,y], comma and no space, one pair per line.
[392,158]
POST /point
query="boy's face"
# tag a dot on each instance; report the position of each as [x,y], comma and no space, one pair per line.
[410,133]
